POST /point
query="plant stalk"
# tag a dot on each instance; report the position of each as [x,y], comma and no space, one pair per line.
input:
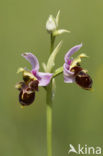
[49,130]
[52,42]
[49,108]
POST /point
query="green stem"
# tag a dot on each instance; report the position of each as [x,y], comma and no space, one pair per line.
[58,71]
[49,112]
[49,119]
[49,108]
[52,43]
[49,130]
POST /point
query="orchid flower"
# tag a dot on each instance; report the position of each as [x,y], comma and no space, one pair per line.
[43,78]
[73,72]
[32,80]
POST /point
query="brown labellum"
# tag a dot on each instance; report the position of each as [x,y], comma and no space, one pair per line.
[27,91]
[82,78]
[34,85]
[26,98]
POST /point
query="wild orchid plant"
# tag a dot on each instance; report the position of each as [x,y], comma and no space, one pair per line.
[32,79]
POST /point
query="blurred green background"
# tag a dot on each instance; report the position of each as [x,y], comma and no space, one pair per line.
[77,114]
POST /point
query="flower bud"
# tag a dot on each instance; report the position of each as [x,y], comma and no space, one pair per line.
[51,24]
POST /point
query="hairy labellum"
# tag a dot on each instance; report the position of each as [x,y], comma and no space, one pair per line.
[34,85]
[82,78]
[27,91]
[26,98]
[20,85]
[76,70]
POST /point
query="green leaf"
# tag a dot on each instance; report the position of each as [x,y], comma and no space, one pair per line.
[51,60]
[57,18]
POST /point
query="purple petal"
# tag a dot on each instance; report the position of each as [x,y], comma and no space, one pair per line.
[68,75]
[69,79]
[67,71]
[32,59]
[71,52]
[44,78]
[35,73]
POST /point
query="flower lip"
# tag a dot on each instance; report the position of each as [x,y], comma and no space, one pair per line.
[27,91]
[20,85]
[76,70]
[26,99]
[34,85]
[84,80]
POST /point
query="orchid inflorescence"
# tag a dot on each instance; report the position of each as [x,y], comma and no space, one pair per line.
[71,70]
